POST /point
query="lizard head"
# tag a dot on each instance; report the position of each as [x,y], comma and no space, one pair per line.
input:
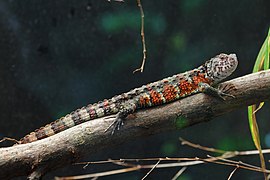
[221,66]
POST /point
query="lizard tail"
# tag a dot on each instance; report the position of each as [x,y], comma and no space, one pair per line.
[76,117]
[49,130]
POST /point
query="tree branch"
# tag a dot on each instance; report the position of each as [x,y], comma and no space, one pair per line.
[37,158]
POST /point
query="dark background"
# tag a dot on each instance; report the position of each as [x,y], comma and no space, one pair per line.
[56,56]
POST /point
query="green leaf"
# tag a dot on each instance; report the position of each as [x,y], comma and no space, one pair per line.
[267,50]
[255,133]
[260,58]
[253,126]
[261,63]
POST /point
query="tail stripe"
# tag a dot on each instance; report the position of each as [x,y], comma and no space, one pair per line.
[47,131]
[84,114]
[40,134]
[68,121]
[76,117]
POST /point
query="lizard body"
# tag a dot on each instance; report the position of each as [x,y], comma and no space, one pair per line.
[157,93]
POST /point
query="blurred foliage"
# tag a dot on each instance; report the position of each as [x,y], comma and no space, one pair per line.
[232,143]
[115,23]
[168,148]
[190,6]
[177,42]
[181,122]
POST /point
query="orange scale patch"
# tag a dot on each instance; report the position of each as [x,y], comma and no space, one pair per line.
[169,93]
[200,78]
[144,101]
[155,98]
[187,87]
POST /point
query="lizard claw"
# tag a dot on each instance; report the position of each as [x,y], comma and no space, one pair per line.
[223,91]
[116,124]
[222,94]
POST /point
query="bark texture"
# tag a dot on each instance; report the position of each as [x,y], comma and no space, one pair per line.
[40,157]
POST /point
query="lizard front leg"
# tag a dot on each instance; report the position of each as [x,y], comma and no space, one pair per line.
[125,109]
[207,89]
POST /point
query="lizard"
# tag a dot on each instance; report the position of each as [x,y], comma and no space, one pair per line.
[199,80]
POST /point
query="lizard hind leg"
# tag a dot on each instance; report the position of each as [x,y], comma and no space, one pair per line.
[125,109]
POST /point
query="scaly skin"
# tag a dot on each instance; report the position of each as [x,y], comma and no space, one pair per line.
[157,93]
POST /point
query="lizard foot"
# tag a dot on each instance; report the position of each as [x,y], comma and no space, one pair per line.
[125,109]
[116,124]
[224,90]
[217,92]
[222,95]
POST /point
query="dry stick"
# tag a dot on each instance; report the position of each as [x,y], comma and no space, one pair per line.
[133,167]
[195,161]
[94,175]
[189,162]
[236,164]
[233,162]
[151,170]
[179,173]
[227,154]
[122,1]
[143,38]
[136,160]
[69,146]
[197,146]
[231,174]
[184,142]
[236,153]
[252,152]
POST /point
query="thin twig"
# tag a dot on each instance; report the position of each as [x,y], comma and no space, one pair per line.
[194,161]
[231,174]
[227,154]
[233,162]
[106,173]
[151,170]
[258,169]
[189,162]
[143,38]
[235,153]
[179,173]
[197,146]
[224,153]
[252,152]
[122,1]
[260,152]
